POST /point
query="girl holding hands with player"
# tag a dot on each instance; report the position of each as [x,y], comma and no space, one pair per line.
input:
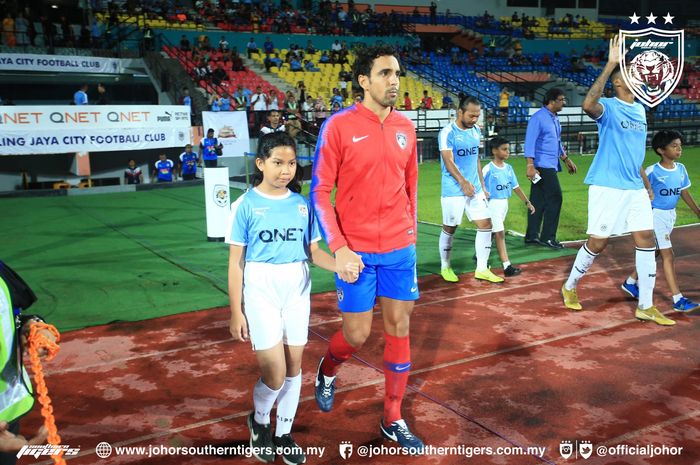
[273,234]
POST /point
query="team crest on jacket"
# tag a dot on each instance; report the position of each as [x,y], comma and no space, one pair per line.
[401,139]
[652,62]
[303,211]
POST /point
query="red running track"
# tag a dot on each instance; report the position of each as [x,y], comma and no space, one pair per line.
[494,366]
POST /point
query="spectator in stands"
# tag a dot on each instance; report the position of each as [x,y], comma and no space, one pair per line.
[490,127]
[163,169]
[320,109]
[188,164]
[186,99]
[148,38]
[223,45]
[274,103]
[543,150]
[336,98]
[426,103]
[447,102]
[295,65]
[407,103]
[219,75]
[274,123]
[251,47]
[21,29]
[291,105]
[336,47]
[503,104]
[203,70]
[132,173]
[258,102]
[8,31]
[309,66]
[214,102]
[335,108]
[95,34]
[242,98]
[185,45]
[236,61]
[546,60]
[268,46]
[80,97]
[225,102]
[102,97]
[310,49]
[577,65]
[433,13]
[307,108]
[324,57]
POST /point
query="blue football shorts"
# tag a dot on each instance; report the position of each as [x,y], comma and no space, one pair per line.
[390,274]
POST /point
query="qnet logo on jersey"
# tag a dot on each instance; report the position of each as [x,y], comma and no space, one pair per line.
[652,59]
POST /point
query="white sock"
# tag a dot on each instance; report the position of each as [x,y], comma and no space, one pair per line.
[263,400]
[506,265]
[445,244]
[584,260]
[677,297]
[645,259]
[287,403]
[482,244]
[631,280]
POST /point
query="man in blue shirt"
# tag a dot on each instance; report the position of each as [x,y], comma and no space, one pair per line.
[619,192]
[164,168]
[543,149]
[209,149]
[188,164]
[80,97]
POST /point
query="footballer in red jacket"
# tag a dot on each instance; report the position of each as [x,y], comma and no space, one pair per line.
[368,154]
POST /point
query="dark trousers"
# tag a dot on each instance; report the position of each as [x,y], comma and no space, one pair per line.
[211,163]
[188,177]
[7,458]
[547,198]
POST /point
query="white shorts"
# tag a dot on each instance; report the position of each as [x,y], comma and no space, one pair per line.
[476,208]
[663,226]
[499,210]
[618,211]
[277,303]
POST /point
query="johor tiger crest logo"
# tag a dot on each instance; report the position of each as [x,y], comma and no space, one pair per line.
[652,60]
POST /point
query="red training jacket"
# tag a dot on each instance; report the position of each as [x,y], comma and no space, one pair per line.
[375,168]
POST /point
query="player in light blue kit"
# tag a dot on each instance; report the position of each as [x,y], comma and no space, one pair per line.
[273,233]
[501,182]
[670,182]
[619,192]
[463,190]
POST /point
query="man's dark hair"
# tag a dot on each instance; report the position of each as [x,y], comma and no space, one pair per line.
[467,100]
[663,138]
[364,59]
[497,142]
[551,95]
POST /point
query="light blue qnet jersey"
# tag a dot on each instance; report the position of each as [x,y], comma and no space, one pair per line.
[622,134]
[667,185]
[499,182]
[274,229]
[464,144]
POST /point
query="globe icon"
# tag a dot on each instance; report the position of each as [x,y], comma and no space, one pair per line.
[103,450]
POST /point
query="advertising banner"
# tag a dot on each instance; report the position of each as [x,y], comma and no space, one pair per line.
[230,128]
[26,130]
[60,63]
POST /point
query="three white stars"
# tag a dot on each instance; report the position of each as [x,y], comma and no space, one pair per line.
[651,19]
